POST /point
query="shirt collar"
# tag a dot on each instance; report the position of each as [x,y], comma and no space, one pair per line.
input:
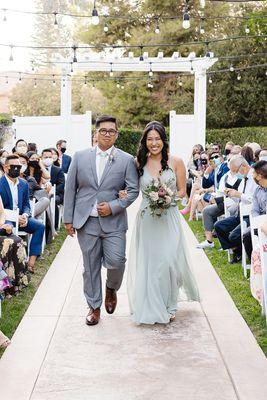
[99,151]
[11,183]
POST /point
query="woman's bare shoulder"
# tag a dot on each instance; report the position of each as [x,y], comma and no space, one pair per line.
[175,162]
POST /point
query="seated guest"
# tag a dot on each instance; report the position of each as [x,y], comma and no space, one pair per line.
[40,194]
[216,148]
[14,192]
[217,167]
[36,168]
[55,156]
[259,204]
[64,159]
[213,211]
[20,147]
[227,149]
[13,258]
[257,155]
[236,149]
[3,156]
[32,147]
[57,176]
[248,154]
[228,230]
[263,155]
[193,167]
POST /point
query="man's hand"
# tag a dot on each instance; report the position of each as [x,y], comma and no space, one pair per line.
[233,193]
[70,230]
[8,228]
[104,209]
[23,221]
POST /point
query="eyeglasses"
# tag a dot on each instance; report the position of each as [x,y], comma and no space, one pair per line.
[111,132]
[214,157]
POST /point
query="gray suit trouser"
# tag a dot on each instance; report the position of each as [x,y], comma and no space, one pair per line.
[100,248]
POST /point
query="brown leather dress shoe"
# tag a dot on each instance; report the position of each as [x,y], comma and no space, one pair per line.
[110,300]
[93,316]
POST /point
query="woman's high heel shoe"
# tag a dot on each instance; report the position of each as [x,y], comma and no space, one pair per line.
[185,211]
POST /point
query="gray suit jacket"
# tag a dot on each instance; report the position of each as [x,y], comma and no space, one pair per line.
[82,189]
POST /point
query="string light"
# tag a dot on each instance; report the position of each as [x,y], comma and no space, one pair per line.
[141,58]
[157,30]
[201,28]
[118,85]
[32,64]
[106,26]
[186,17]
[202,3]
[95,16]
[238,76]
[4,17]
[71,67]
[210,79]
[191,69]
[54,81]
[122,87]
[35,83]
[111,71]
[55,20]
[20,78]
[85,81]
[93,86]
[150,72]
[247,30]
[6,80]
[74,48]
[11,58]
[150,85]
[231,68]
[180,83]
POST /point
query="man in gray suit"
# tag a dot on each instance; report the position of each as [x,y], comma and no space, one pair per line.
[92,207]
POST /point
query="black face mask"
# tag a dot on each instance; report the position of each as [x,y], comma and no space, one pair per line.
[34,163]
[226,152]
[63,149]
[14,171]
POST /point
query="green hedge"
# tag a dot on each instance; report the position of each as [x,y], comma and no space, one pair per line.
[128,139]
[5,119]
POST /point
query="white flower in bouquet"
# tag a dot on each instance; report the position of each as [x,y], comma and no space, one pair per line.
[154,196]
[169,192]
[168,199]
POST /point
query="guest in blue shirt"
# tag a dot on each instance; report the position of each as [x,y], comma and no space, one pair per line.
[14,192]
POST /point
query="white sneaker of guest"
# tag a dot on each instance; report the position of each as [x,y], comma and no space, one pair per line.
[205,245]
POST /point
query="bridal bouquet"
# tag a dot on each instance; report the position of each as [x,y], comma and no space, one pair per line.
[160,197]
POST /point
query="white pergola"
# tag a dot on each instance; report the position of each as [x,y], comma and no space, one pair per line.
[185,130]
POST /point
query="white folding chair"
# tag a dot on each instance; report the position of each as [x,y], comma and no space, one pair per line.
[263,256]
[32,204]
[60,216]
[53,204]
[255,224]
[13,216]
[245,211]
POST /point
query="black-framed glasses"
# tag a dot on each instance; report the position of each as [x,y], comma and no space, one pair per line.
[104,132]
[214,157]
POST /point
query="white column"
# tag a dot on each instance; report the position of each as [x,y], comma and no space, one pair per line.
[200,99]
[65,105]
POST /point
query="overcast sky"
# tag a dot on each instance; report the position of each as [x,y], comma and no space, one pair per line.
[16,30]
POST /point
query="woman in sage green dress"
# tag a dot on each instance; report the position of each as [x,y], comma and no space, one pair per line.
[159,272]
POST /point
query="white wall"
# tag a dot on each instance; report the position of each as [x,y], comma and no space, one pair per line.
[183,135]
[46,131]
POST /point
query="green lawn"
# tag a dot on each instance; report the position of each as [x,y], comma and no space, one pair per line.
[14,309]
[237,286]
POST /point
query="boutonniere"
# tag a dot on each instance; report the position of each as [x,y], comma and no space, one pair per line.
[112,156]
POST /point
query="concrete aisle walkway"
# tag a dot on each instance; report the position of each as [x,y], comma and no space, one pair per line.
[207,354]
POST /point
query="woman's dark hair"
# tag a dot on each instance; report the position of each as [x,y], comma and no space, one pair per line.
[142,153]
[22,155]
[256,155]
[261,168]
[56,163]
[2,151]
[248,154]
[32,147]
[106,118]
[37,174]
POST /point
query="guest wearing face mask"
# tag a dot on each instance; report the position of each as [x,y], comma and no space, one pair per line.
[3,156]
[55,156]
[227,149]
[263,155]
[36,168]
[64,159]
[248,154]
[41,195]
[14,192]
[259,204]
[20,147]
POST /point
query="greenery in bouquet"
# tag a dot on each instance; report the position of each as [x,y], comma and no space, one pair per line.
[160,196]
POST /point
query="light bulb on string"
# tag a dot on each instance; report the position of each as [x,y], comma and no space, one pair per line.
[157,30]
[141,58]
[210,79]
[11,58]
[191,68]
[93,86]
[202,3]
[122,87]
[55,20]
[35,84]
[201,28]
[238,76]
[247,30]
[85,81]
[71,67]
[231,68]
[186,20]
[180,83]
[266,73]
[150,72]
[54,81]
[6,80]
[95,16]
[4,17]
[111,71]
[74,48]
[106,26]
[32,63]
[118,86]
[20,78]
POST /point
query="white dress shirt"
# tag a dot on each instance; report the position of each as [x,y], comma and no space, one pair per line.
[94,212]
[251,186]
[14,191]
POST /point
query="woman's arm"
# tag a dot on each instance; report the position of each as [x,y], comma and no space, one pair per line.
[179,169]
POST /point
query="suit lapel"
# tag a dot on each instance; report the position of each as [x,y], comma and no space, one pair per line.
[108,166]
[9,195]
[20,196]
[92,158]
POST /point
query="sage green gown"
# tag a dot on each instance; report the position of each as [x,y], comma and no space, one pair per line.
[159,273]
